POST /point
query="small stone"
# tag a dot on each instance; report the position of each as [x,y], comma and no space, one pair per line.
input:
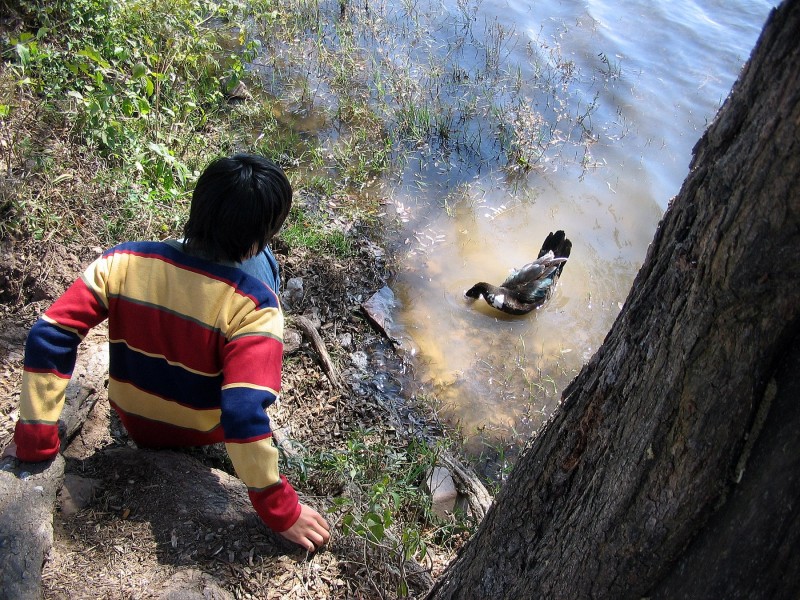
[360,360]
[379,310]
[292,340]
[292,293]
[442,488]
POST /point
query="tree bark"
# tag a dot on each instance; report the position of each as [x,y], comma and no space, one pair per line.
[671,468]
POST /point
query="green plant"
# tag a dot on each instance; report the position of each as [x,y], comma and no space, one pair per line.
[137,84]
[382,504]
[302,230]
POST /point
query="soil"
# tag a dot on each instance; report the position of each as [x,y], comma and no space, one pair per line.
[121,532]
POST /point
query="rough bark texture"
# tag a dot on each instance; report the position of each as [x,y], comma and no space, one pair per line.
[28,491]
[671,469]
[26,526]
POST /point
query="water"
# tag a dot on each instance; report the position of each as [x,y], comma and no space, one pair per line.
[649,77]
[516,118]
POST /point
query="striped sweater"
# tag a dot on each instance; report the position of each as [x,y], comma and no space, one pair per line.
[195,358]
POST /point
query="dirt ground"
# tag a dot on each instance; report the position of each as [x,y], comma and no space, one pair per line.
[126,527]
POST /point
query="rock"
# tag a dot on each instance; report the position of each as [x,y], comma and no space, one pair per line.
[379,311]
[442,489]
[360,360]
[235,90]
[185,497]
[77,493]
[191,584]
[292,293]
[292,340]
[27,497]
[346,340]
[28,490]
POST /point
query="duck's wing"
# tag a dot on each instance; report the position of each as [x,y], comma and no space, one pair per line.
[529,273]
[533,282]
[537,291]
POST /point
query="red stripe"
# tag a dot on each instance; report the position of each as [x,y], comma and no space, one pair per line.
[78,308]
[148,433]
[48,371]
[152,330]
[278,505]
[254,359]
[36,441]
[255,438]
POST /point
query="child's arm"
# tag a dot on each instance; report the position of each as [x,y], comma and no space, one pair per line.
[50,353]
[252,361]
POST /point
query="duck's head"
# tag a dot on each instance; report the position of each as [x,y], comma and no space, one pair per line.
[476,290]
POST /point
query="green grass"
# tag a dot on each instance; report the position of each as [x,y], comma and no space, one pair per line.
[382,502]
[302,230]
[125,100]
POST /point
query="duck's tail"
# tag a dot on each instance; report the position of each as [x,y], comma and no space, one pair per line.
[559,245]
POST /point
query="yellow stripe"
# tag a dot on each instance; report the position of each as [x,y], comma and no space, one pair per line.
[164,358]
[256,463]
[251,386]
[42,397]
[267,321]
[193,295]
[95,277]
[136,402]
[62,327]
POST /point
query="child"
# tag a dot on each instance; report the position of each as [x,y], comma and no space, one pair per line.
[195,339]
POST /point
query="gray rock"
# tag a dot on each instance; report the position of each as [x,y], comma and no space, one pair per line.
[192,584]
[346,340]
[360,360]
[379,311]
[26,524]
[442,489]
[292,293]
[77,493]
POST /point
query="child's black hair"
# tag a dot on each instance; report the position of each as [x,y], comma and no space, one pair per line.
[238,204]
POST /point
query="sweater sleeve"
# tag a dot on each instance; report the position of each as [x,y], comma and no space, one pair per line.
[50,352]
[251,381]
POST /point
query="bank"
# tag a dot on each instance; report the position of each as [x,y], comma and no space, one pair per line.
[109,110]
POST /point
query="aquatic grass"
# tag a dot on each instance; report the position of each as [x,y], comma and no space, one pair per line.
[366,57]
[322,185]
[415,122]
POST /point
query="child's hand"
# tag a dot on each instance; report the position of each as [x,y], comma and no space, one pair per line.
[310,530]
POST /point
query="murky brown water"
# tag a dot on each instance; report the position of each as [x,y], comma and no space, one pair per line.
[659,72]
[603,99]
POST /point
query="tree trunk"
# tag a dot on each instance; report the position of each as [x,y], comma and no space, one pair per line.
[672,468]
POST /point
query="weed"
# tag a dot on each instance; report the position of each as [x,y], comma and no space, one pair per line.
[611,68]
[312,233]
[382,502]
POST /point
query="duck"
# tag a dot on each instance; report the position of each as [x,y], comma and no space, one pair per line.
[531,286]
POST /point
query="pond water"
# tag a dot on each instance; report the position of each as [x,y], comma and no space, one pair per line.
[508,119]
[615,94]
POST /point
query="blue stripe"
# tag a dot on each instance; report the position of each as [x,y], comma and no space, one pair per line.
[244,412]
[51,348]
[156,376]
[233,275]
